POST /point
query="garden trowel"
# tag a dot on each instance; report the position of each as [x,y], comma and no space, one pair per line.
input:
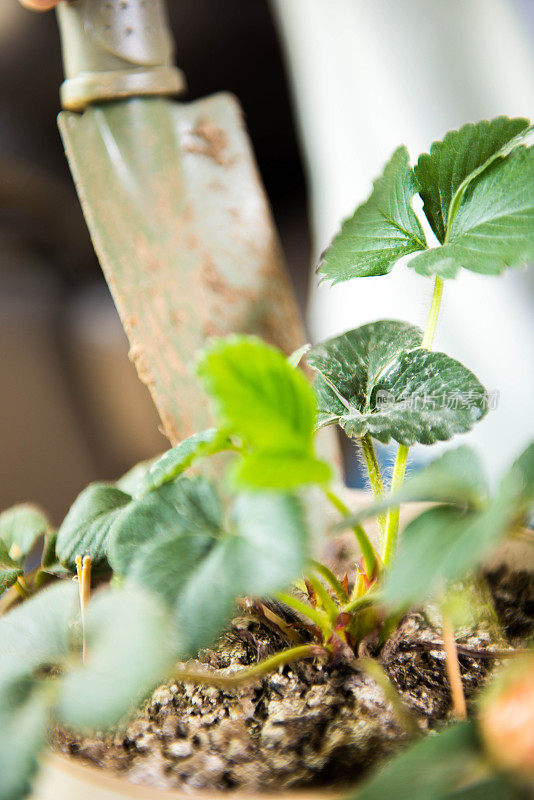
[173,200]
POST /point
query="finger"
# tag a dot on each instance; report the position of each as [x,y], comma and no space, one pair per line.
[39,5]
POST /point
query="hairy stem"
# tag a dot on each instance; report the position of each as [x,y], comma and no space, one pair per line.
[187,675]
[370,558]
[375,477]
[399,468]
[433,315]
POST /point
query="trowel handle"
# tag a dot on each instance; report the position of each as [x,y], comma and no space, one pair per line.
[114,49]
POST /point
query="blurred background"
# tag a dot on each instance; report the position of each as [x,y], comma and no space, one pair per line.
[330,88]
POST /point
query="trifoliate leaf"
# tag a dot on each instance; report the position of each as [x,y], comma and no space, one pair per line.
[457,159]
[173,541]
[493,227]
[184,505]
[264,549]
[381,231]
[128,652]
[86,527]
[429,770]
[269,406]
[377,380]
[20,527]
[457,477]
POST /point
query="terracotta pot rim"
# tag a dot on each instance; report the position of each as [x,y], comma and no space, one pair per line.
[102,779]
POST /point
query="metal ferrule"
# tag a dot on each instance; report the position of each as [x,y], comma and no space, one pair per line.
[114,49]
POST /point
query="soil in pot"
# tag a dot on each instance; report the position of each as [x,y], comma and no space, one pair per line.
[309,724]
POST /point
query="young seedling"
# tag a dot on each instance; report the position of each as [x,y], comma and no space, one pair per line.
[182,553]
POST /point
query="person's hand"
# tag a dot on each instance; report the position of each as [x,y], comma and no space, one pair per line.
[39,5]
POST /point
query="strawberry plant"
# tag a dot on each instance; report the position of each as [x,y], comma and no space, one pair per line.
[179,551]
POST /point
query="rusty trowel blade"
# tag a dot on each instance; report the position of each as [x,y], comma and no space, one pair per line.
[183,231]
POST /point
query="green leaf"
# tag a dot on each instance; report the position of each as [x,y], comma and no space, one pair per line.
[428,770]
[442,545]
[86,527]
[20,527]
[493,227]
[133,481]
[519,482]
[129,651]
[184,505]
[456,477]
[459,158]
[36,634]
[172,541]
[258,395]
[279,470]
[176,460]
[270,406]
[265,549]
[23,723]
[377,380]
[381,231]
[9,569]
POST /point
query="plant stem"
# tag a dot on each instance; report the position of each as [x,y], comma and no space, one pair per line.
[372,466]
[375,477]
[83,569]
[318,617]
[331,579]
[404,715]
[186,675]
[370,557]
[358,603]
[399,468]
[392,525]
[433,315]
[324,599]
[453,669]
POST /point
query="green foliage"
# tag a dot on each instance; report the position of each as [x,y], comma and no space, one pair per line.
[174,541]
[129,648]
[446,541]
[378,380]
[493,227]
[458,159]
[271,409]
[23,729]
[9,569]
[184,505]
[20,528]
[129,652]
[456,477]
[429,770]
[477,187]
[381,231]
[86,527]
[176,460]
